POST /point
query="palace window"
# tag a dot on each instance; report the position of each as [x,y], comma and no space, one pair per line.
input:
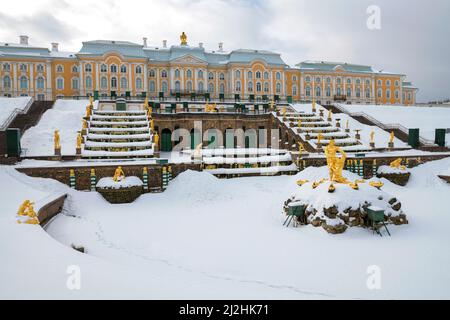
[211,88]
[278,87]
[139,83]
[328,91]
[177,73]
[123,83]
[317,80]
[6,67]
[23,82]
[59,68]
[103,68]
[258,87]
[189,73]
[40,83]
[308,91]
[138,69]
[367,93]
[379,93]
[75,84]
[409,97]
[113,82]
[358,81]
[404,97]
[338,91]
[152,86]
[88,67]
[397,94]
[189,86]
[23,67]
[164,75]
[60,83]
[338,80]
[88,82]
[113,69]
[164,86]
[367,82]
[238,86]
[258,74]
[40,68]
[123,69]
[104,83]
[388,94]
[222,88]
[222,76]
[349,81]
[379,83]
[249,75]
[396,83]
[266,75]
[278,76]
[151,73]
[6,82]
[177,86]
[266,87]
[294,78]
[200,74]
[358,92]
[294,90]
[349,92]
[211,76]
[388,83]
[250,86]
[308,79]
[328,80]
[318,91]
[200,86]
[74,69]
[238,74]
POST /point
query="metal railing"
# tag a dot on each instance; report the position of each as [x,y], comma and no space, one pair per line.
[14,114]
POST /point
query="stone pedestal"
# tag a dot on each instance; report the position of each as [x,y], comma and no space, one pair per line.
[329,119]
[83,132]
[357,136]
[390,145]
[321,112]
[307,137]
[372,144]
[78,151]
[347,130]
[319,146]
[58,152]
[338,124]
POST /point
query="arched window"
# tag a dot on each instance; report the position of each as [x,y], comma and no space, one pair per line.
[7,82]
[278,76]
[103,68]
[222,88]
[88,82]
[367,93]
[278,87]
[152,86]
[396,83]
[409,96]
[59,68]
[358,92]
[6,67]
[258,87]
[294,78]
[249,74]
[318,91]
[308,79]
[358,81]
[211,87]
[164,87]
[151,73]
[250,86]
[294,90]
[138,83]
[349,81]
[266,87]
[200,87]
[380,94]
[238,86]
[23,82]
[367,82]
[40,83]
[328,80]
[164,75]
[258,74]
[138,69]
[40,68]
[238,74]
[210,76]
[328,91]
[379,83]
[23,67]
[338,91]
[221,76]
[388,83]
[123,83]
[189,73]
[177,73]
[189,86]
[177,86]
[317,80]
[200,74]
[266,75]
[308,91]
[60,83]
[88,67]
[104,83]
[397,94]
[113,82]
[113,68]
[388,94]
[349,92]
[123,68]
[75,84]
[338,80]
[75,69]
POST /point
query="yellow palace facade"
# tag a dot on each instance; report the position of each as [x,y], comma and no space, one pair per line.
[122,68]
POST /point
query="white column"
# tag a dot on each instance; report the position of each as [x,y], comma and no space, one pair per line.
[97,75]
[81,79]
[31,89]
[48,68]
[374,94]
[130,78]
[182,79]
[145,77]
[14,82]
[158,88]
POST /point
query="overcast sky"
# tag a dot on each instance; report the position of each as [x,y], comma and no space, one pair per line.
[413,39]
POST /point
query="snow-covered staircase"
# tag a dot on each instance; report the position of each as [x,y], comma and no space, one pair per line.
[118,134]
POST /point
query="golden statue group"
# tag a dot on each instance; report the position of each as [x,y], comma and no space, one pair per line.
[119,175]
[26,209]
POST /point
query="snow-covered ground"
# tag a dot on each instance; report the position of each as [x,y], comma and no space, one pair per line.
[426,119]
[210,238]
[65,116]
[8,105]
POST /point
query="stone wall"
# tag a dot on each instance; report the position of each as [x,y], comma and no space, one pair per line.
[51,209]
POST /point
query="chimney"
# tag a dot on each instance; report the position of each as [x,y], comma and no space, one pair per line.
[200,44]
[55,46]
[145,41]
[23,40]
[220,46]
[164,43]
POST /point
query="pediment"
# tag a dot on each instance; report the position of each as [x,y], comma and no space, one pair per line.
[188,59]
[339,68]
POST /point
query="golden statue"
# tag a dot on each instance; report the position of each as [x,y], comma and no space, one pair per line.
[146,102]
[346,125]
[91,102]
[79,140]
[330,114]
[24,208]
[397,164]
[156,139]
[320,137]
[314,106]
[301,182]
[299,122]
[272,104]
[85,124]
[372,136]
[183,39]
[88,111]
[335,164]
[301,148]
[57,140]
[391,137]
[119,175]
[284,112]
[152,125]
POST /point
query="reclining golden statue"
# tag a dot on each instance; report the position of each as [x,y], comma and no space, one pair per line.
[397,164]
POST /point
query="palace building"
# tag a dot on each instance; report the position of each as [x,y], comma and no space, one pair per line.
[120,68]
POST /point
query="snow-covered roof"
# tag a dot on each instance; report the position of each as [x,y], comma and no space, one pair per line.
[339,66]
